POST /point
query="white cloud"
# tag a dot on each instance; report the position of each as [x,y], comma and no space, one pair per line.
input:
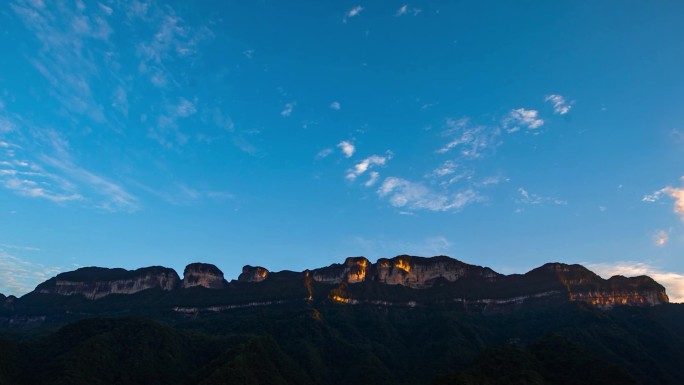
[472,141]
[347,148]
[353,12]
[660,238]
[673,282]
[335,106]
[534,199]
[560,105]
[19,276]
[287,110]
[374,175]
[403,193]
[519,118]
[675,193]
[364,165]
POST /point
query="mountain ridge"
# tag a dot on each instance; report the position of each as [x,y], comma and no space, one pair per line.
[409,279]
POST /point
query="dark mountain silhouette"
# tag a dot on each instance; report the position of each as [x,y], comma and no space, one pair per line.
[407,320]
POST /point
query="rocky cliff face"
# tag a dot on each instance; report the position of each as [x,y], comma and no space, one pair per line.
[96,282]
[253,274]
[353,270]
[583,285]
[203,274]
[419,273]
[405,270]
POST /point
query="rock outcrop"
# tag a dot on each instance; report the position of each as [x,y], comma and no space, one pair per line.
[253,274]
[97,282]
[203,274]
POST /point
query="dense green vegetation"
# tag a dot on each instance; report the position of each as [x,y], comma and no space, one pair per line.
[328,343]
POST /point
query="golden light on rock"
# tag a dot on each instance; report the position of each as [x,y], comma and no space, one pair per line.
[337,298]
[403,265]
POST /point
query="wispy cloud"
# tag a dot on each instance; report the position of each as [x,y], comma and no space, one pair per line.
[64,59]
[560,105]
[675,193]
[19,276]
[673,282]
[287,110]
[472,141]
[54,175]
[172,40]
[534,199]
[113,196]
[352,13]
[414,195]
[184,108]
[335,106]
[374,175]
[7,246]
[522,118]
[677,135]
[167,130]
[180,194]
[364,165]
[447,168]
[404,10]
[324,153]
[347,148]
[661,237]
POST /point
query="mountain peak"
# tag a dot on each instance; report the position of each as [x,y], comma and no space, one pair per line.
[253,274]
[204,275]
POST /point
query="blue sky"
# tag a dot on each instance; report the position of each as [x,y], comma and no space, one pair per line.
[294,134]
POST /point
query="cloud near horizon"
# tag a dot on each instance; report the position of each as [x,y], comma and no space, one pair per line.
[19,276]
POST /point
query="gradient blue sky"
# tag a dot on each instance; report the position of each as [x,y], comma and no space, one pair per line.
[294,134]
